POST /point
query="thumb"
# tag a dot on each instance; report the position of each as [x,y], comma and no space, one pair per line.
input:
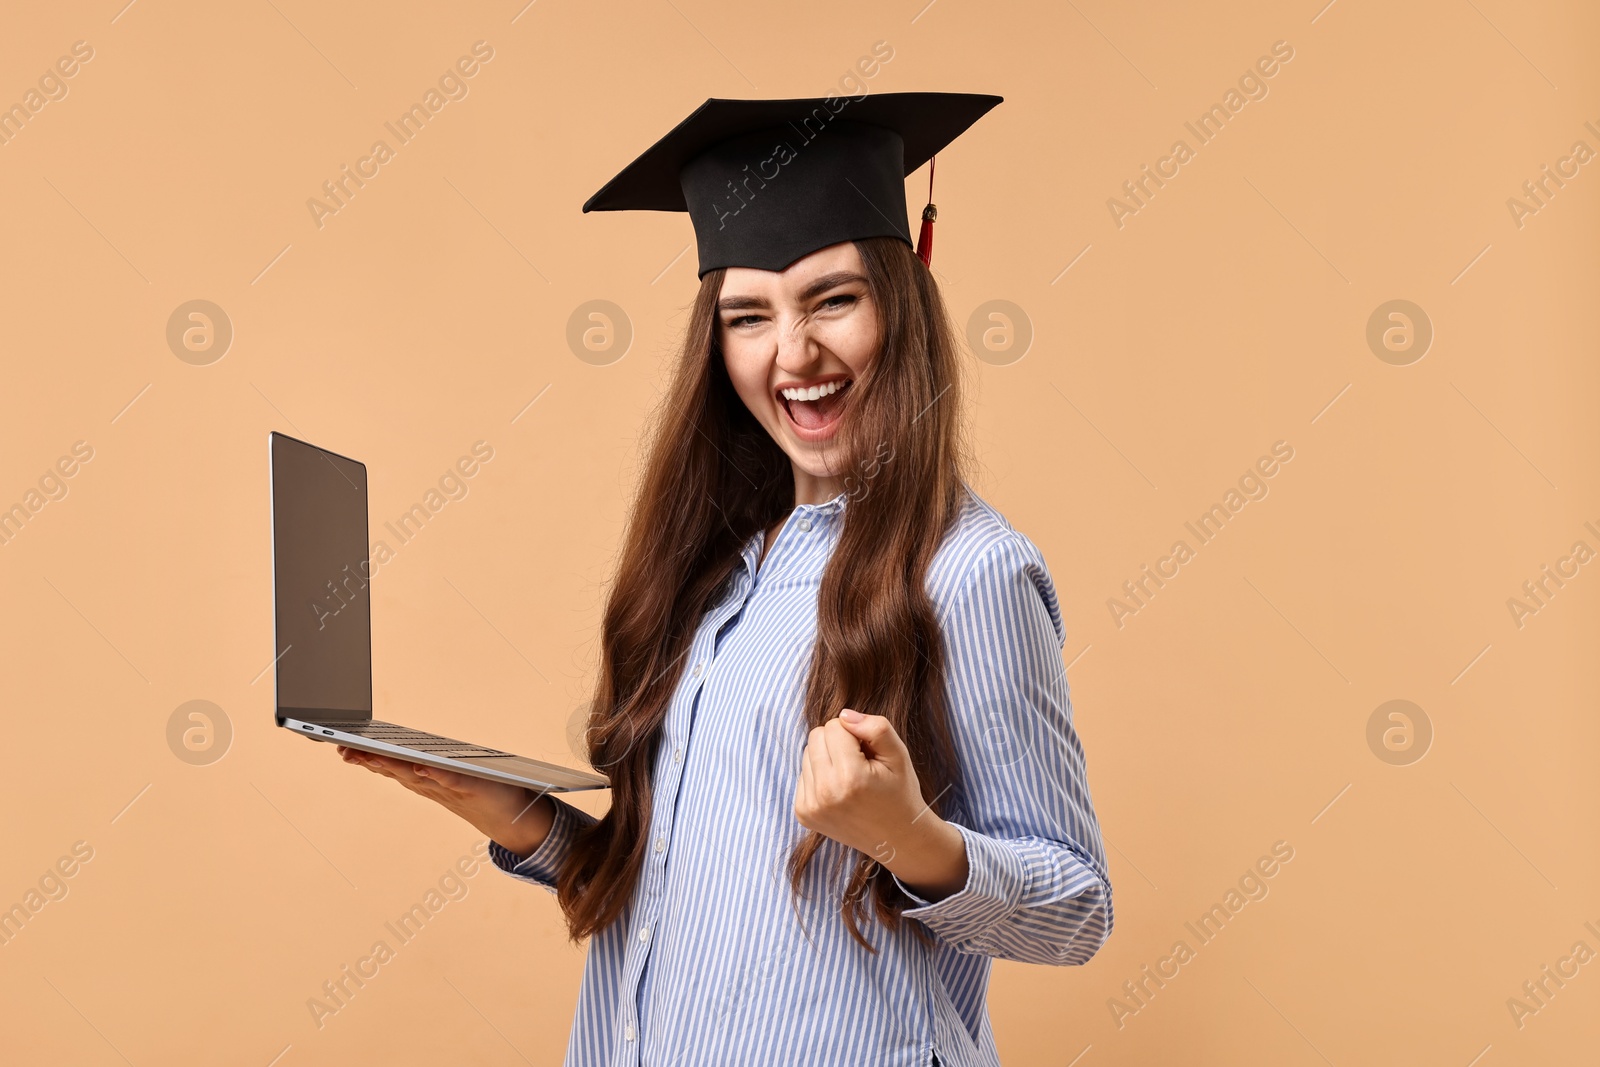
[875,732]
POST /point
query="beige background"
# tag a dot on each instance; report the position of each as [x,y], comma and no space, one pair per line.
[1230,312]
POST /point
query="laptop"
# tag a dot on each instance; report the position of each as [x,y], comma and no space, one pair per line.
[322,611]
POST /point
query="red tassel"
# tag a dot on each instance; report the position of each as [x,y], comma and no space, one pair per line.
[929,213]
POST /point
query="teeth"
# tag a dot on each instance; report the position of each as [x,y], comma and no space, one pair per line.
[813,392]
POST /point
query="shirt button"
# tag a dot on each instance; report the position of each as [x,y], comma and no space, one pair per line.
[661,844]
[699,669]
[677,757]
[804,524]
[628,1033]
[644,933]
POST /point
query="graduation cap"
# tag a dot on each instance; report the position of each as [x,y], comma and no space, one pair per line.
[768,181]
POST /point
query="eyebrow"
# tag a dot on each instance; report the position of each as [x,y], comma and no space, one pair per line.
[815,289]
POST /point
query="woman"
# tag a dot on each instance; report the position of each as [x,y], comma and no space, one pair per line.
[831,700]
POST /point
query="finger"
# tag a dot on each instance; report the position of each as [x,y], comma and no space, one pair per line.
[453,781]
[407,774]
[417,774]
[372,763]
[400,770]
[385,764]
[808,782]
[817,744]
[439,783]
[878,733]
[843,748]
[442,786]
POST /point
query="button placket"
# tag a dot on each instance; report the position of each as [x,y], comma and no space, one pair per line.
[640,979]
[667,796]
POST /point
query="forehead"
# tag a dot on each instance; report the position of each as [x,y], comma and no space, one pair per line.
[793,279]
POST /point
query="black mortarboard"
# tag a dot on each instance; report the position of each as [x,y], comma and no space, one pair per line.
[768,181]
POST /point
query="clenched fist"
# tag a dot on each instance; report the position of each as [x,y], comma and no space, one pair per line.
[858,787]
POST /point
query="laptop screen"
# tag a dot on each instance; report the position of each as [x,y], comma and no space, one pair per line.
[321,594]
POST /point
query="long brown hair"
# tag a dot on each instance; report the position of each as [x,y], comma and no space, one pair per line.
[712,478]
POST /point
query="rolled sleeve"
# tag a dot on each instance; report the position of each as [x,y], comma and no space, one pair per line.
[1036,888]
[543,864]
[995,884]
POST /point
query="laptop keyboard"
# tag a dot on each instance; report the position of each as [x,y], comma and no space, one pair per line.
[406,737]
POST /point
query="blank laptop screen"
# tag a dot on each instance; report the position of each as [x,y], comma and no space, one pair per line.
[321,594]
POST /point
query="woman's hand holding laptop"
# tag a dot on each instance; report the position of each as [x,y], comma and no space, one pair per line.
[513,815]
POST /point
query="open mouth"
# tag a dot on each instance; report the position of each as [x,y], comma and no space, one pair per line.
[814,412]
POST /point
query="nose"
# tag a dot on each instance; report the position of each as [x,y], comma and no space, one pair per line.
[796,346]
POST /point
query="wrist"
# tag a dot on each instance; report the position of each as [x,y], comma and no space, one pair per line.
[527,828]
[930,858]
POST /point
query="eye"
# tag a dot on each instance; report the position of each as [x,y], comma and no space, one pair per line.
[741,321]
[839,300]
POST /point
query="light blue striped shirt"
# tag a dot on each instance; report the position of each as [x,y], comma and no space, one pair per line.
[709,963]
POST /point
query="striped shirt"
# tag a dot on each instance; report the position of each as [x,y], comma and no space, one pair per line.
[714,961]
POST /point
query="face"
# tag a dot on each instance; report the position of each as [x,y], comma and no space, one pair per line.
[794,341]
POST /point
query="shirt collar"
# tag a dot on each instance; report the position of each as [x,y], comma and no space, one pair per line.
[825,512]
[827,507]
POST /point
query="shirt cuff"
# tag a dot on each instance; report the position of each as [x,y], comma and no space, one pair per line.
[996,882]
[543,864]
